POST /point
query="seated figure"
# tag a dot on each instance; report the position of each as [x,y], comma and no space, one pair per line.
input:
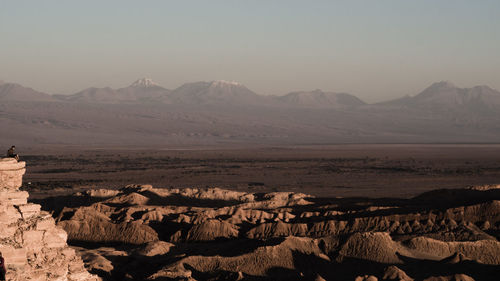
[12,153]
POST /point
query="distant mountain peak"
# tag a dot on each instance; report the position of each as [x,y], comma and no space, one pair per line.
[446,97]
[144,83]
[437,89]
[484,87]
[16,92]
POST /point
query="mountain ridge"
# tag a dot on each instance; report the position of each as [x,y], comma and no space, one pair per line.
[445,96]
[231,92]
[219,91]
[221,112]
[17,92]
[318,98]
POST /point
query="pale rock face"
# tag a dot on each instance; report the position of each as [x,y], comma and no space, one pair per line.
[11,174]
[31,244]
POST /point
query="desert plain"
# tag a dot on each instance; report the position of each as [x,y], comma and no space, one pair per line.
[309,212]
[366,170]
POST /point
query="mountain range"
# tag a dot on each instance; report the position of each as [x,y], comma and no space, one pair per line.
[224,112]
[446,96]
[197,93]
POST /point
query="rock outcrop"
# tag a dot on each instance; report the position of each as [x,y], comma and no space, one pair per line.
[217,234]
[34,248]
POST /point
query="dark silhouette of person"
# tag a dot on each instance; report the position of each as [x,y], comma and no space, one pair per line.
[2,267]
[12,153]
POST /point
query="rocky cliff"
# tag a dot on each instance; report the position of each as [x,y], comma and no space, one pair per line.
[34,248]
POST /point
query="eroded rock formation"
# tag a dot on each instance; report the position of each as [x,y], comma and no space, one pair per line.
[34,248]
[216,234]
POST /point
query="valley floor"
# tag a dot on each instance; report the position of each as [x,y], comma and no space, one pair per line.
[324,170]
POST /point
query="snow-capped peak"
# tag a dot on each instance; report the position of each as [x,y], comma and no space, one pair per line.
[222,83]
[144,82]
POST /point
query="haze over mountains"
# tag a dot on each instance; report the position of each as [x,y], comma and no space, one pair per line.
[223,112]
[16,92]
[446,96]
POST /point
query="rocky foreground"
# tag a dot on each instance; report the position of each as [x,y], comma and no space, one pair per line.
[146,233]
[33,246]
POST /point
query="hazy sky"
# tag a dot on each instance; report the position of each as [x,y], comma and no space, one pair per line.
[373,49]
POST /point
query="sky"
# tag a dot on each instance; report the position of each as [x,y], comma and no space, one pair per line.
[376,50]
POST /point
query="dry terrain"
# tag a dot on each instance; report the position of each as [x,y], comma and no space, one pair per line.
[341,212]
[323,171]
[144,233]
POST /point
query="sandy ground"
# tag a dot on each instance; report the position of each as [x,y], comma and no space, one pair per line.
[321,170]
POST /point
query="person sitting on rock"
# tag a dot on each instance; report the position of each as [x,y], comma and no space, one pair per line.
[2,267]
[12,153]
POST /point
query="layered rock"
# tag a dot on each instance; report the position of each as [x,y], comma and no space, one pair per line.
[34,248]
